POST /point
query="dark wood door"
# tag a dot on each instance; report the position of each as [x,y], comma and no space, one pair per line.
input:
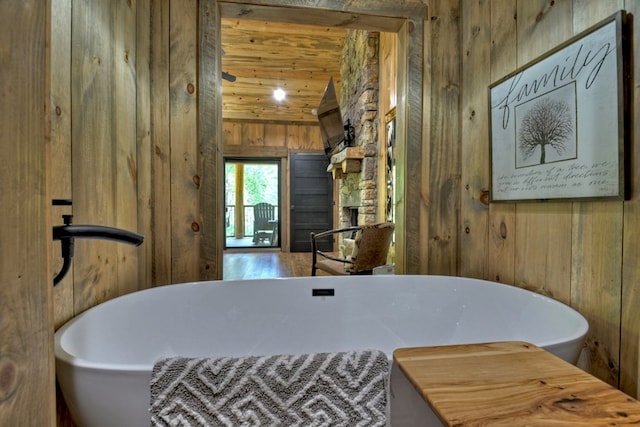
[311,200]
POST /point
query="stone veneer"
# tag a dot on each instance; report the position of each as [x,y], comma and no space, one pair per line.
[359,103]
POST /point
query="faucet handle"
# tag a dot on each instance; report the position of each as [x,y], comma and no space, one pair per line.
[61,202]
[67,219]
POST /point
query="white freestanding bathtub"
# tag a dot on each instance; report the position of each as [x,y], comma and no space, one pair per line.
[104,356]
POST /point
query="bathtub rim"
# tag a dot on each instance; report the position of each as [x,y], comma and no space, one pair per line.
[62,356]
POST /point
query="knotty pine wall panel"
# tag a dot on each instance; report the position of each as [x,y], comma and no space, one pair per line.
[597,233]
[94,165]
[232,133]
[630,315]
[183,116]
[99,118]
[60,117]
[474,155]
[275,135]
[440,157]
[501,237]
[26,316]
[258,139]
[160,170]
[581,253]
[304,137]
[144,158]
[102,142]
[125,125]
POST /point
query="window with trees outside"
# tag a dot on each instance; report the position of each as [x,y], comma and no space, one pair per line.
[252,202]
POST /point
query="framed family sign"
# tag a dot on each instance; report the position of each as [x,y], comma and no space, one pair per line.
[559,124]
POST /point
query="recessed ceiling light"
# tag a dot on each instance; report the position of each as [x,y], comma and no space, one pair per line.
[279,94]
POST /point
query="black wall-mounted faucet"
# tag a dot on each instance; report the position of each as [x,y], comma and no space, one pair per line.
[67,233]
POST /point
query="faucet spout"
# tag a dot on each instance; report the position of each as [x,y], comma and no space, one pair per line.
[68,233]
[61,232]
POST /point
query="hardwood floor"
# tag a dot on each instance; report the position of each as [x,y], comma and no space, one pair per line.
[265,264]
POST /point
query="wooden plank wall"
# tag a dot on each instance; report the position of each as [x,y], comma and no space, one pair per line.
[630,314]
[125,145]
[125,125]
[124,132]
[92,136]
[60,118]
[581,253]
[183,116]
[160,143]
[269,139]
[130,85]
[103,146]
[26,335]
[144,160]
[124,110]
[442,158]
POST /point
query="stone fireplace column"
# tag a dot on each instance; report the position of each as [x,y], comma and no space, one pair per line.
[359,103]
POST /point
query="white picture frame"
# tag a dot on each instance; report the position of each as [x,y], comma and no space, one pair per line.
[558,125]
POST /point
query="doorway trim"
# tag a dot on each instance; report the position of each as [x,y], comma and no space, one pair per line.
[406,18]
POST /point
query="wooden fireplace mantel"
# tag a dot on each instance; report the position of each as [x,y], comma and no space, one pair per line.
[348,160]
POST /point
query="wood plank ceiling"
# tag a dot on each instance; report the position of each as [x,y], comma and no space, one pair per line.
[264,56]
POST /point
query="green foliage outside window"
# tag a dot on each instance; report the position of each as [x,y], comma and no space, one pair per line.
[260,185]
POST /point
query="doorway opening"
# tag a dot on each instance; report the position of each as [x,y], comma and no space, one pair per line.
[406,19]
[252,203]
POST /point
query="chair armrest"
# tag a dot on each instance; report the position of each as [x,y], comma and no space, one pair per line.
[326,255]
[316,236]
[335,231]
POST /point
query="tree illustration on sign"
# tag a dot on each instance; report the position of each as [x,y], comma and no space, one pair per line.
[547,125]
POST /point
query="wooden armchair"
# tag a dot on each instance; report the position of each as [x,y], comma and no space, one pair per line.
[371,246]
[263,228]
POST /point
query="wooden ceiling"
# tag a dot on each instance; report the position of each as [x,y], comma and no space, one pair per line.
[264,56]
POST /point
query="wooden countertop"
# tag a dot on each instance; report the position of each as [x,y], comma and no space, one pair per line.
[511,384]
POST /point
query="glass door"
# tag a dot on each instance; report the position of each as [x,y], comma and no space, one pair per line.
[252,203]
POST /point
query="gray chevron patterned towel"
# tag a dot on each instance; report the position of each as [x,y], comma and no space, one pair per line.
[321,389]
